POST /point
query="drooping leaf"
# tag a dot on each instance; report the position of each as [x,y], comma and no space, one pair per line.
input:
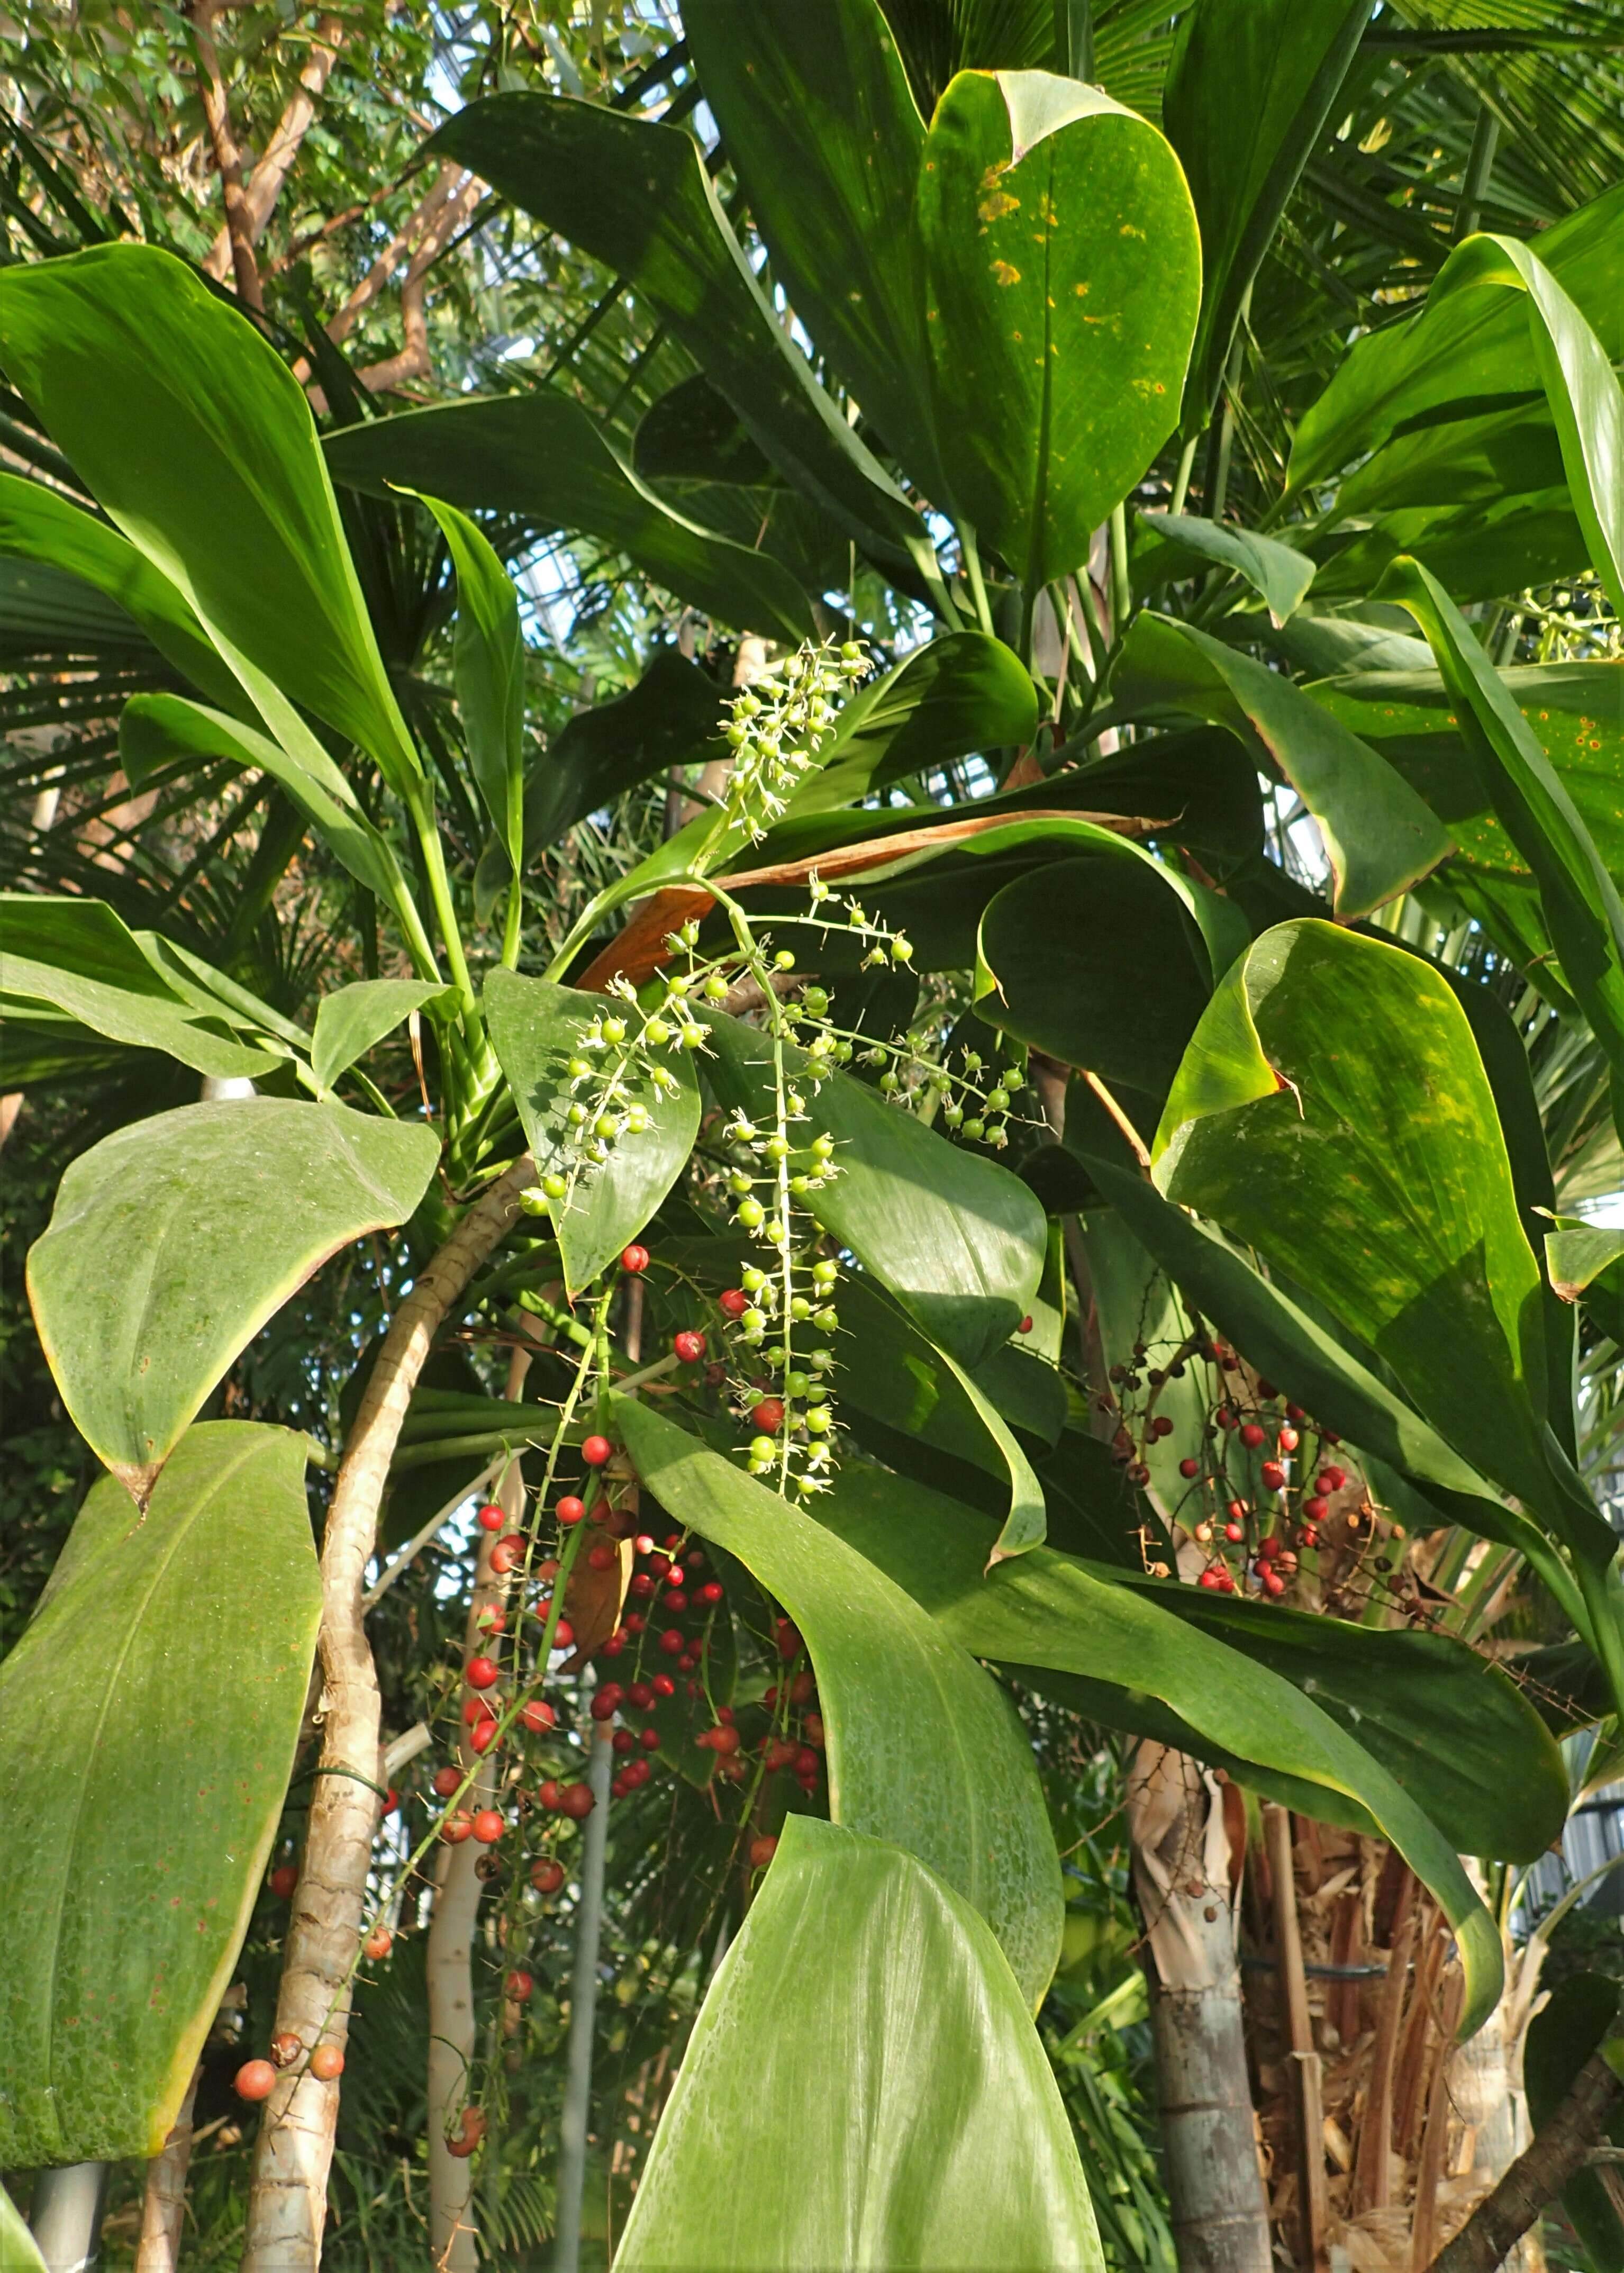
[140,1831]
[1172,545]
[39,524]
[1379,836]
[75,956]
[923,1750]
[542,456]
[351,1019]
[957,1238]
[818,117]
[1247,94]
[488,660]
[1063,276]
[671,718]
[693,433]
[1044,1609]
[865,2011]
[228,496]
[535,1029]
[634,193]
[173,1240]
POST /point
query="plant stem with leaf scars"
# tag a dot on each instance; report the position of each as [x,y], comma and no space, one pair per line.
[1558,2153]
[287,2207]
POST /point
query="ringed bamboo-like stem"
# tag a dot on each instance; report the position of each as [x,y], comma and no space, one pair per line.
[287,2202]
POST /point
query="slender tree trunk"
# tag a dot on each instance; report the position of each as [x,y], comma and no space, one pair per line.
[1181,1857]
[66,2216]
[288,2203]
[1558,2153]
[583,2008]
[163,2210]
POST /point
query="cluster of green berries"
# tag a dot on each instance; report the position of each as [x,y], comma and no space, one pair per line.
[973,1102]
[778,726]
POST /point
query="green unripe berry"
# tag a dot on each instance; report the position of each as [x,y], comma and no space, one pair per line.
[820,1360]
[605,1125]
[825,1272]
[533,1202]
[754,1323]
[751,1279]
[716,987]
[752,1214]
[823,1146]
[797,1383]
[799,1307]
[614,1030]
[763,1449]
[693,1038]
[889,1083]
[997,1100]
[656,1033]
[577,1117]
[555,1186]
[902,950]
[777,1148]
[579,1069]
[953,1115]
[637,1120]
[819,1421]
[784,960]
[816,1001]
[974,1130]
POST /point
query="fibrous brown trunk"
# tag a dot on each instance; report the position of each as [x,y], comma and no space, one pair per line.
[1181,1858]
[287,2207]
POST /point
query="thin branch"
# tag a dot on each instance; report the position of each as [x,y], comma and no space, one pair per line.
[1559,2150]
[265,184]
[227,153]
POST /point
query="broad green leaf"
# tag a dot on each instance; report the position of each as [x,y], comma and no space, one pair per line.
[671,718]
[960,692]
[923,1749]
[535,1029]
[18,2252]
[173,1240]
[1480,551]
[1333,1111]
[156,728]
[1577,1253]
[1379,836]
[139,1831]
[1584,912]
[958,1240]
[228,496]
[1046,1610]
[886,1369]
[77,956]
[1063,275]
[349,1021]
[1462,351]
[822,128]
[1248,91]
[635,194]
[693,433]
[1174,545]
[864,2012]
[487,661]
[38,524]
[541,456]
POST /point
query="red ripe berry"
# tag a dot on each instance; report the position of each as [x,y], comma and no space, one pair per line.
[1189,1468]
[1234,1533]
[1267,1549]
[621,1786]
[1330,1479]
[734,1303]
[563,1635]
[642,1586]
[710,1592]
[446,1781]
[1294,1412]
[487,1826]
[662,1686]
[685,1663]
[254,2080]
[1289,1440]
[623,1741]
[481,1673]
[1209,1578]
[677,1603]
[613,1646]
[473,2132]
[1161,1426]
[491,1516]
[601,1555]
[635,1622]
[650,1739]
[547,1877]
[597,1451]
[570,1510]
[725,1738]
[1273,1476]
[1310,1537]
[1226,1585]
[762,1852]
[537,1714]
[1224,1418]
[1273,1583]
[606,1704]
[1026,1325]
[768,1415]
[634,1259]
[507,1555]
[456,1828]
[326,2063]
[378,1943]
[640,1695]
[671,1642]
[547,1793]
[483,1735]
[284,1881]
[805,1762]
[1316,1510]
[1235,1510]
[493,1619]
[519,1986]
[674,1577]
[690,1347]
[575,1801]
[789,1643]
[1267,1389]
[1251,1433]
[476,1709]
[811,1727]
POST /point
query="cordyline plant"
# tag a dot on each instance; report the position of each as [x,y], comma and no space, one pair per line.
[769,1169]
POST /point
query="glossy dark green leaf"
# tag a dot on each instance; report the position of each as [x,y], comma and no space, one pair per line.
[1248,91]
[864,2012]
[1063,276]
[228,496]
[923,1749]
[352,1019]
[822,125]
[634,193]
[957,1238]
[489,662]
[140,1833]
[1174,544]
[75,957]
[543,457]
[671,718]
[535,1029]
[39,524]
[960,692]
[1044,1609]
[886,1368]
[693,433]
[173,1240]
[1379,836]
